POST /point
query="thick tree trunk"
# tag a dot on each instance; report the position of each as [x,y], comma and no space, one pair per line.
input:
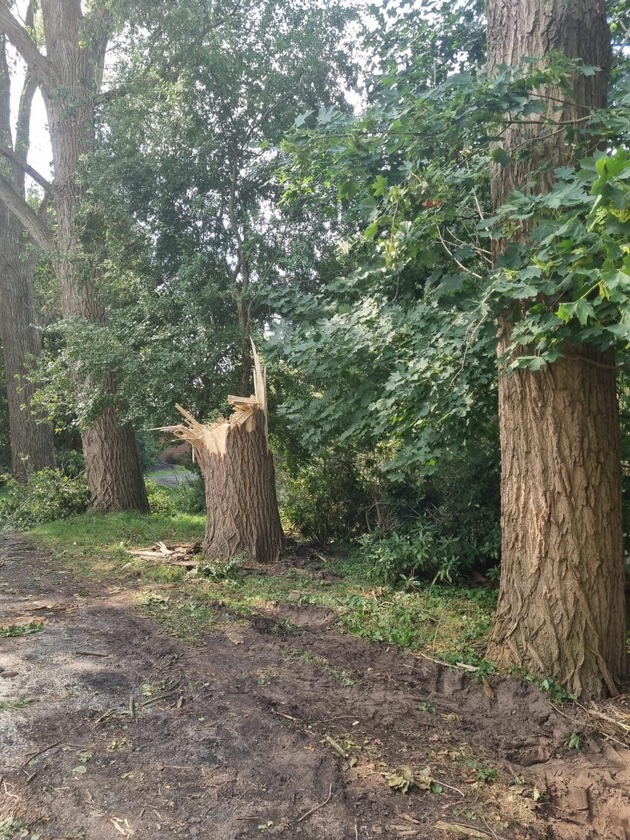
[75,49]
[561,605]
[112,465]
[237,466]
[241,495]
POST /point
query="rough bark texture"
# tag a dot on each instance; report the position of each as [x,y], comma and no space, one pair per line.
[32,445]
[75,48]
[237,466]
[561,604]
[241,495]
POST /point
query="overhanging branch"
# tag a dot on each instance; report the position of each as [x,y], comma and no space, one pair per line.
[27,216]
[25,167]
[37,63]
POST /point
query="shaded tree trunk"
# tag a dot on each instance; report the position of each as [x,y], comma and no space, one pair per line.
[561,605]
[32,444]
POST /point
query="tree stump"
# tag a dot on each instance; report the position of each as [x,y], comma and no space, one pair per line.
[237,467]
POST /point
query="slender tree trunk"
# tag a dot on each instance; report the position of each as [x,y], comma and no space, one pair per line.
[561,606]
[32,445]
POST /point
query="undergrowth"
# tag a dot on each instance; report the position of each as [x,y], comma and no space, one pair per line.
[445,622]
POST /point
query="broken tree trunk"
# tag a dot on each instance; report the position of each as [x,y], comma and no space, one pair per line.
[237,467]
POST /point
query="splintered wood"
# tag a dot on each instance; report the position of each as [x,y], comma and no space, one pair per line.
[177,555]
[237,466]
[212,438]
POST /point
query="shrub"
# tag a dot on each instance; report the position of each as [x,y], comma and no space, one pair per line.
[48,495]
[324,499]
[400,556]
[186,497]
[148,449]
[70,461]
[160,499]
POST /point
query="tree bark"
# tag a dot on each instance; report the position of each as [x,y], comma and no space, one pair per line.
[561,604]
[241,495]
[69,76]
[237,466]
[32,445]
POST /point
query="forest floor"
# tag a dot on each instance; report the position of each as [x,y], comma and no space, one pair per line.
[272,724]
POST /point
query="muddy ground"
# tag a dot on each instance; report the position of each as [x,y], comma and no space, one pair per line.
[277,726]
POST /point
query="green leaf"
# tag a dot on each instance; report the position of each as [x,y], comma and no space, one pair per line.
[500,156]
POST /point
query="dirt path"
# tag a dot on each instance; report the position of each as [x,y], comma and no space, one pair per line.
[275,727]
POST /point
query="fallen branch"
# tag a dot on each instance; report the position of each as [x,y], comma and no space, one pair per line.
[90,653]
[317,807]
[39,752]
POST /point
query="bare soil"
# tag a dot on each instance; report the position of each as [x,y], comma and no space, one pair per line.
[274,726]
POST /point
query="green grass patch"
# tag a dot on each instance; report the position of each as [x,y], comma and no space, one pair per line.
[167,472]
[103,539]
[450,623]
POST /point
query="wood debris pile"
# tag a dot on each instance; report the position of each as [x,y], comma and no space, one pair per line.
[188,554]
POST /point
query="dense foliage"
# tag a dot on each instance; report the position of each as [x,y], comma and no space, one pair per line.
[319,178]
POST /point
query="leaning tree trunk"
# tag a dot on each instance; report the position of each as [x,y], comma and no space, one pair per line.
[561,606]
[237,467]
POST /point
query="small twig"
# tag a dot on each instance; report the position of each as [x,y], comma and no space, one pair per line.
[157,698]
[132,707]
[356,830]
[317,807]
[107,714]
[454,258]
[38,753]
[31,777]
[336,747]
[7,792]
[288,717]
[450,787]
[90,653]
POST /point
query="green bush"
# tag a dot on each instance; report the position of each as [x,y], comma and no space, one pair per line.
[186,497]
[148,449]
[190,496]
[160,499]
[70,461]
[324,499]
[48,495]
[400,556]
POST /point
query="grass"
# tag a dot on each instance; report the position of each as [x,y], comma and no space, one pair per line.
[445,622]
[166,472]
